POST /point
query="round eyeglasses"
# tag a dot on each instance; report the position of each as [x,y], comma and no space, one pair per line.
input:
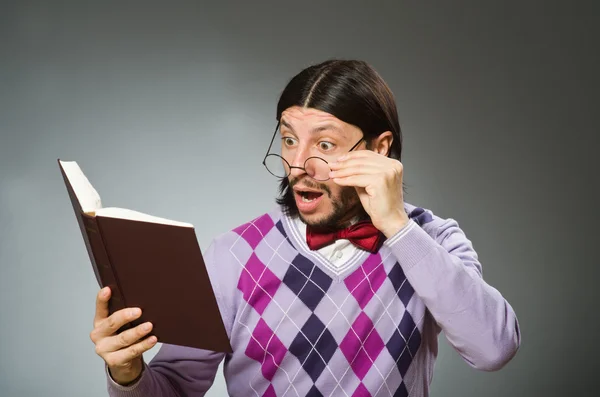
[315,167]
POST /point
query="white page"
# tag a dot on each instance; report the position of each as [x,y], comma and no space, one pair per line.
[88,197]
[90,202]
[121,213]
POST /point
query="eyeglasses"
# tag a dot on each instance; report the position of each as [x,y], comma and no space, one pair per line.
[315,167]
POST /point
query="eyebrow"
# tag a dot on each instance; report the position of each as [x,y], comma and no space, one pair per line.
[285,124]
[328,126]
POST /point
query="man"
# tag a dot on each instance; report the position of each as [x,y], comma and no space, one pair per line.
[343,289]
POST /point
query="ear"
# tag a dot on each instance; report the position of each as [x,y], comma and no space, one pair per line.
[383,143]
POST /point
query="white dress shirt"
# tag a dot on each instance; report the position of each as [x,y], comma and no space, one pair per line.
[338,252]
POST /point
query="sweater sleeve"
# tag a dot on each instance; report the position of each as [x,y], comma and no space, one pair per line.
[445,273]
[177,370]
[174,371]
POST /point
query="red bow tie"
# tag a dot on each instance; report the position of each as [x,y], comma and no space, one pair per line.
[362,234]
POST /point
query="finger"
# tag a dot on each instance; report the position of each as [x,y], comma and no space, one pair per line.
[101,305]
[357,170]
[124,356]
[124,339]
[355,180]
[356,154]
[382,162]
[111,324]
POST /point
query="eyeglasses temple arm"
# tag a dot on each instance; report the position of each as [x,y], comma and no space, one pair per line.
[271,144]
[357,143]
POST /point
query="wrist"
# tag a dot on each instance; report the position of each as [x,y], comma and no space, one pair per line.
[127,376]
[395,224]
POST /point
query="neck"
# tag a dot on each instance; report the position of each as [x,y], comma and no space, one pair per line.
[353,216]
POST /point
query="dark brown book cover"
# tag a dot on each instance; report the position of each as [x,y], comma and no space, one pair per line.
[158,268]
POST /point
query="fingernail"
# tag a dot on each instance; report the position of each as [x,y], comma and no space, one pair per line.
[152,339]
[134,312]
[105,292]
[146,326]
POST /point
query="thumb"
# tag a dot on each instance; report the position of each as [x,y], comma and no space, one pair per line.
[102,305]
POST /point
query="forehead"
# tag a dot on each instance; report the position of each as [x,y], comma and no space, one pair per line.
[297,115]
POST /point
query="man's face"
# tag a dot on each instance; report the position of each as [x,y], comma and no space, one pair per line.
[305,133]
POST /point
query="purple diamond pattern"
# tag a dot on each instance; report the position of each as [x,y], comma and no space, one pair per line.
[270,392]
[314,346]
[267,349]
[361,391]
[362,345]
[404,343]
[307,281]
[420,216]
[364,282]
[279,226]
[254,231]
[401,391]
[258,284]
[406,326]
[352,359]
[314,392]
[403,288]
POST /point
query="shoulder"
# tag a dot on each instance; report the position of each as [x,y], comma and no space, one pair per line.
[446,232]
[241,241]
[432,223]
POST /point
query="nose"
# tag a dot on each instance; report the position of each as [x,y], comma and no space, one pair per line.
[297,164]
[297,168]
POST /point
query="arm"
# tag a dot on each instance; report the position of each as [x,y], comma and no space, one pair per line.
[446,274]
[174,371]
[443,269]
[177,370]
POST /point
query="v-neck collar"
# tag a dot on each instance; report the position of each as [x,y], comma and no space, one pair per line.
[336,273]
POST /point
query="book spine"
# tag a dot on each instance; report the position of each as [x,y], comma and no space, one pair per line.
[108,276]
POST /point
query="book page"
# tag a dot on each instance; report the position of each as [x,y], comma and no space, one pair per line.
[113,212]
[88,197]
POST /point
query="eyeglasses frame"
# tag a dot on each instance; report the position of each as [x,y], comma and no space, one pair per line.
[304,165]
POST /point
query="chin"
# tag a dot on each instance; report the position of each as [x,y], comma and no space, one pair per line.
[318,217]
[314,219]
[334,217]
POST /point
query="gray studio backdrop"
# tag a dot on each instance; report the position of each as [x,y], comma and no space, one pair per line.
[169,109]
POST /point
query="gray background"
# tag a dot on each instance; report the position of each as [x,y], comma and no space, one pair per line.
[169,108]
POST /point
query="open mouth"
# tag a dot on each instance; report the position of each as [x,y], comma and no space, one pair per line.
[309,199]
[309,196]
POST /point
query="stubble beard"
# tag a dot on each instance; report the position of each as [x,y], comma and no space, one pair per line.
[346,207]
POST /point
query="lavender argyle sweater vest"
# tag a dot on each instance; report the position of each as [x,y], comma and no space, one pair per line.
[355,333]
[300,326]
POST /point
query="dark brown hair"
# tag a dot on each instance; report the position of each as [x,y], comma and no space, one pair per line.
[352,91]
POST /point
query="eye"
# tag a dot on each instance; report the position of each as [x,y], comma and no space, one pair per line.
[288,141]
[326,146]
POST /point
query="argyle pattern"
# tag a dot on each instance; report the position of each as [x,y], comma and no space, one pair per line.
[321,336]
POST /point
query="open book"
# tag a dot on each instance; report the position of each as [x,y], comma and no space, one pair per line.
[151,263]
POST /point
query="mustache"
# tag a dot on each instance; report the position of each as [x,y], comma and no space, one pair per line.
[310,183]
